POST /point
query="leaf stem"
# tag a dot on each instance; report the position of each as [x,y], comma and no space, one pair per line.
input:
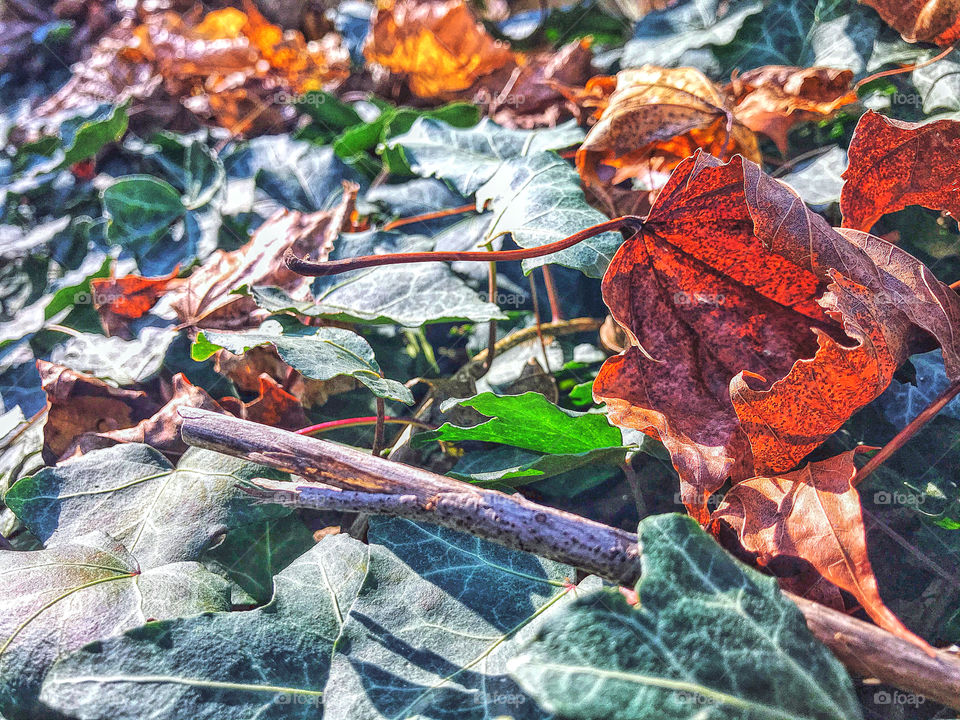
[359,421]
[556,314]
[400,222]
[302,266]
[378,430]
[904,69]
[911,429]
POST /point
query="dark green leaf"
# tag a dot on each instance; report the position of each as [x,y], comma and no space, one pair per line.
[131,491]
[54,601]
[318,353]
[140,208]
[468,158]
[710,640]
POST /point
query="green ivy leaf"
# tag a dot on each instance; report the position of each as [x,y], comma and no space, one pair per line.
[318,353]
[140,208]
[710,639]
[531,422]
[335,631]
[84,136]
[515,467]
[538,199]
[54,601]
[468,158]
[131,492]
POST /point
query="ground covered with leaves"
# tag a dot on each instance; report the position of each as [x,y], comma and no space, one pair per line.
[719,366]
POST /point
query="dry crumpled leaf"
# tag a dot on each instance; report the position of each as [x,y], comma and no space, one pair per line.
[772,99]
[756,329]
[246,370]
[79,403]
[934,21]
[893,164]
[232,68]
[532,96]
[273,406]
[653,119]
[813,514]
[206,299]
[161,430]
[120,300]
[438,46]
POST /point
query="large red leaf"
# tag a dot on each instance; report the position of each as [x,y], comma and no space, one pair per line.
[894,164]
[756,328]
[813,514]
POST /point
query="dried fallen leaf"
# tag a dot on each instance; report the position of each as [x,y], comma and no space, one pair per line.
[233,68]
[772,99]
[120,300]
[437,46]
[656,117]
[531,97]
[273,406]
[161,430]
[935,21]
[813,514]
[893,164]
[80,403]
[757,329]
[206,299]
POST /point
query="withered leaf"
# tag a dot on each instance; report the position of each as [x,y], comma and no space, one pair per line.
[206,299]
[935,21]
[161,430]
[757,329]
[120,300]
[653,119]
[437,46]
[772,99]
[79,403]
[814,514]
[893,164]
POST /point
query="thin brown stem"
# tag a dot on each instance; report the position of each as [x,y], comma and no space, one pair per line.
[538,326]
[400,222]
[301,266]
[360,421]
[492,324]
[912,428]
[378,429]
[556,313]
[904,69]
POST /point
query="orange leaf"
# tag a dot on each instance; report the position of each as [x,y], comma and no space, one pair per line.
[119,300]
[439,47]
[935,21]
[756,329]
[814,514]
[893,164]
[654,118]
[772,99]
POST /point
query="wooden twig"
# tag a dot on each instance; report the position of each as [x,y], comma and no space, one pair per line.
[348,479]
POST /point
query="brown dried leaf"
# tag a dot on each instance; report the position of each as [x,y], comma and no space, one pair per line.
[813,514]
[772,99]
[654,118]
[206,299]
[438,47]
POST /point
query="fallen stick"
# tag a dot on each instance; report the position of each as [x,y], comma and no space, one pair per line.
[348,479]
